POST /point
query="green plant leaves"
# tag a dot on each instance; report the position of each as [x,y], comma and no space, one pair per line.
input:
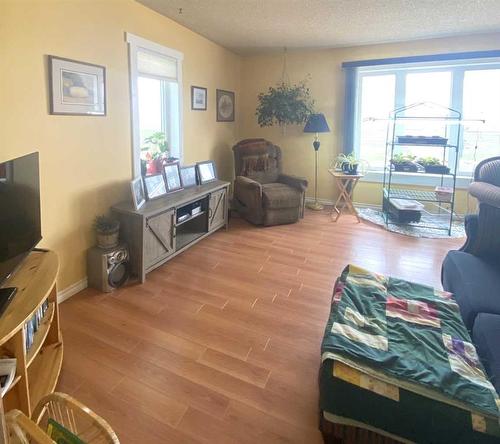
[284,105]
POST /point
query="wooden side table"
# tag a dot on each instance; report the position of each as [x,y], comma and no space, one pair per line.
[346,184]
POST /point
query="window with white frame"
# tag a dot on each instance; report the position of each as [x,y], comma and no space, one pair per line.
[156,94]
[470,87]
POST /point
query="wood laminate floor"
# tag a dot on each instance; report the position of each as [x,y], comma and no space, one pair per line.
[221,344]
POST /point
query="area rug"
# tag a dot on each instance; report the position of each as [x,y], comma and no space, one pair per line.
[416,230]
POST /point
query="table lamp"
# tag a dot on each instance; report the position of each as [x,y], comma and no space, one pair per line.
[316,123]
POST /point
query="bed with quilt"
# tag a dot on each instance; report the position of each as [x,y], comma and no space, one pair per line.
[398,365]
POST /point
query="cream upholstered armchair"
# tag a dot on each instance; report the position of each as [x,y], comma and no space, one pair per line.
[263,195]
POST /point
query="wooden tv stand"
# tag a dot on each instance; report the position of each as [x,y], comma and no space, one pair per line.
[165,227]
[37,369]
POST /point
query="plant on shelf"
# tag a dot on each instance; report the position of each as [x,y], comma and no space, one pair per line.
[284,104]
[107,230]
[155,153]
[433,165]
[348,163]
[405,163]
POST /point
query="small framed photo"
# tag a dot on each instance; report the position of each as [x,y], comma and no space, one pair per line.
[172,177]
[198,98]
[206,172]
[225,106]
[155,186]
[76,88]
[137,192]
[188,176]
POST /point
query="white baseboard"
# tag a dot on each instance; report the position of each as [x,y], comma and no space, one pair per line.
[321,201]
[71,290]
[330,202]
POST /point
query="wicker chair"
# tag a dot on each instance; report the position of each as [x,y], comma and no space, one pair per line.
[483,229]
[22,430]
[65,410]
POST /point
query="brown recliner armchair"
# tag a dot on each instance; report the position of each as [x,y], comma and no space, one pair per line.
[263,195]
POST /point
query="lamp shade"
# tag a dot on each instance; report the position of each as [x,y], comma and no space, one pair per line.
[316,123]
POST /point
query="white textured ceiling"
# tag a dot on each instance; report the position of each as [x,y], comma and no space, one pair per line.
[256,25]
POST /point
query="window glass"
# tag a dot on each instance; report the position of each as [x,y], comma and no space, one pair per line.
[477,97]
[433,90]
[481,100]
[377,101]
[150,107]
[433,87]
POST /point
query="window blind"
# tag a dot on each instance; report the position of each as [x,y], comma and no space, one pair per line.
[156,65]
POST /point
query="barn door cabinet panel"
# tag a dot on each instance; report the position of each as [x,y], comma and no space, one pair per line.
[217,210]
[158,237]
[165,227]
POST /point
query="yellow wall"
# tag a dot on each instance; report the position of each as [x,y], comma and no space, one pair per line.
[86,161]
[327,88]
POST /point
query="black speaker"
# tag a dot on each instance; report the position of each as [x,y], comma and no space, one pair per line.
[108,269]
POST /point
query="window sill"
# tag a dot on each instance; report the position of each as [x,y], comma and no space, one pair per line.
[418,179]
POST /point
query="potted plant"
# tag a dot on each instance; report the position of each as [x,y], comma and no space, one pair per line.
[107,230]
[155,153]
[433,165]
[284,104]
[348,163]
[405,163]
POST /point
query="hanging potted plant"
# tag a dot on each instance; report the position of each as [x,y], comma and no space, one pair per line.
[284,104]
[107,230]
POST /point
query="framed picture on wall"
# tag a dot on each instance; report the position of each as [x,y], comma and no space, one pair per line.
[154,186]
[188,176]
[76,88]
[137,192]
[206,171]
[198,98]
[172,177]
[225,105]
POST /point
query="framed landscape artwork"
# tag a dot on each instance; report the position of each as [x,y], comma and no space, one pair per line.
[137,193]
[155,186]
[225,106]
[198,98]
[206,171]
[172,177]
[76,88]
[188,176]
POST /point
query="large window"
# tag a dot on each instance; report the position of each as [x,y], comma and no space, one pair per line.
[156,88]
[471,88]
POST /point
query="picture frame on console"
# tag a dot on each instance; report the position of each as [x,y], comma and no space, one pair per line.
[207,172]
[137,189]
[172,177]
[154,186]
[188,176]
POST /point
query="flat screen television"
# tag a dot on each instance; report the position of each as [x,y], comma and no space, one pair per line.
[20,225]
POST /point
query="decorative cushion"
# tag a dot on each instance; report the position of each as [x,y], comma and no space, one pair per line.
[475,284]
[279,195]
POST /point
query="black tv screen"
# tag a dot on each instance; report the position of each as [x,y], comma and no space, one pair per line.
[20,227]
